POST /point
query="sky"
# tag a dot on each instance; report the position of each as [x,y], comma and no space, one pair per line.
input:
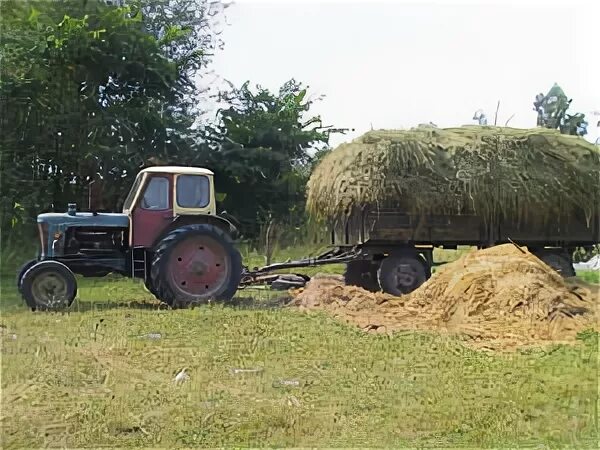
[396,64]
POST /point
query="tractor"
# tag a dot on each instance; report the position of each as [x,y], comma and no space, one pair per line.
[168,234]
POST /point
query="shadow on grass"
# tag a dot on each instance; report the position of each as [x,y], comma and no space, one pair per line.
[250,302]
[85,306]
[241,302]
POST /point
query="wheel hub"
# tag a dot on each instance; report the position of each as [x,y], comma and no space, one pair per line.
[49,289]
[405,276]
[399,275]
[199,267]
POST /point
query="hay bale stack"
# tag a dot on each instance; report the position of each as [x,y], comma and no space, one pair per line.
[471,169]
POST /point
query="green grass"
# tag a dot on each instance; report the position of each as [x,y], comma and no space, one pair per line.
[93,377]
[589,276]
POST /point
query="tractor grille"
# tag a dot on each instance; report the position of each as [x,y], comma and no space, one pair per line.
[43,227]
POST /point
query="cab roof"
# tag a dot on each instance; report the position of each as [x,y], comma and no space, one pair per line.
[178,170]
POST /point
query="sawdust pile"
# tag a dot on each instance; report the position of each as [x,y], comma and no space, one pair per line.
[498,298]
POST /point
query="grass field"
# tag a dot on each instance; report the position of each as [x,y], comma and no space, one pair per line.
[265,375]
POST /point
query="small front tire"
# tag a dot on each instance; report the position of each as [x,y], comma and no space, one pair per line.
[48,285]
[24,268]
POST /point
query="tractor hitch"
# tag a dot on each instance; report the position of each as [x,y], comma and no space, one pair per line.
[265,275]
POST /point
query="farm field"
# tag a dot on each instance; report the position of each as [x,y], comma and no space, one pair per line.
[263,374]
[200,144]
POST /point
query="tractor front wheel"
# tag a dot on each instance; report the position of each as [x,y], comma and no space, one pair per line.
[194,264]
[24,268]
[48,285]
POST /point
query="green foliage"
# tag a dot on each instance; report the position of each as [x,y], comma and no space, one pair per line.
[96,92]
[588,336]
[552,113]
[93,91]
[265,157]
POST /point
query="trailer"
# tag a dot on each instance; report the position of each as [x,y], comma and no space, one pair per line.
[391,250]
[393,196]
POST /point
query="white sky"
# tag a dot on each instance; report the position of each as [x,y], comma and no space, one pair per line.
[395,64]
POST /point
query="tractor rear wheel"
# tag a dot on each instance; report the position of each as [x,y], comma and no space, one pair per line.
[195,264]
[402,274]
[148,286]
[48,285]
[362,273]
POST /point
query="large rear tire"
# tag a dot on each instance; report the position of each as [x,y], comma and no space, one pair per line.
[195,264]
[401,274]
[363,274]
[48,285]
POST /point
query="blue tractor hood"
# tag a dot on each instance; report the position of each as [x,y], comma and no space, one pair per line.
[53,223]
[84,219]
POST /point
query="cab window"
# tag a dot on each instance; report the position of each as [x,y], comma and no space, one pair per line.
[156,196]
[193,191]
[129,200]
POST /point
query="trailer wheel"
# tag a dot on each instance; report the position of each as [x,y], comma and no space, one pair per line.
[399,275]
[362,273]
[558,261]
[195,264]
[48,285]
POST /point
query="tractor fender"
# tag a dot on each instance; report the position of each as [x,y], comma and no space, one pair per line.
[183,220]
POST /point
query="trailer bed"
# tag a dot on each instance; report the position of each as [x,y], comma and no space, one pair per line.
[398,228]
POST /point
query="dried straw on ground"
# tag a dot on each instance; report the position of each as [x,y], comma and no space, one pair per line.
[498,298]
[482,170]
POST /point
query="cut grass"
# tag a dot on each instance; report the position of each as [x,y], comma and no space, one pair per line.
[589,276]
[97,377]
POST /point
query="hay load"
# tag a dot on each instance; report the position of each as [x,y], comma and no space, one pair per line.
[472,169]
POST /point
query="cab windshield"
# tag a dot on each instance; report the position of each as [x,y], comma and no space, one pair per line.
[129,200]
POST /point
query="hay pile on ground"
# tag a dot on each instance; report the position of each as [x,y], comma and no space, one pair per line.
[497,298]
[477,169]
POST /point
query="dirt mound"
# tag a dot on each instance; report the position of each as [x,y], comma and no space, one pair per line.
[498,298]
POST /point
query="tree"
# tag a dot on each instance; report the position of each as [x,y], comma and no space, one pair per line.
[552,113]
[91,90]
[264,160]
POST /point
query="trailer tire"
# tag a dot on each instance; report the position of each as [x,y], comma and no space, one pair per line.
[401,274]
[426,266]
[363,274]
[177,269]
[557,261]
